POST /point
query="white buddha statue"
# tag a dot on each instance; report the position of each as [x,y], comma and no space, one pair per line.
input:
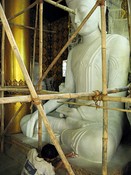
[80,129]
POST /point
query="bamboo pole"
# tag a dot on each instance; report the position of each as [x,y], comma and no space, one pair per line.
[34,49]
[129,19]
[83,96]
[34,95]
[104,89]
[2,80]
[68,42]
[34,43]
[19,89]
[23,11]
[12,119]
[94,106]
[59,1]
[31,28]
[25,90]
[40,69]
[56,4]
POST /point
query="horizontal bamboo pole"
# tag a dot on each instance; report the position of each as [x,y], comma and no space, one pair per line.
[25,90]
[95,106]
[84,96]
[31,28]
[60,6]
[18,88]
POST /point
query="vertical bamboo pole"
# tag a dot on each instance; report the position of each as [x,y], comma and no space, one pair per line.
[34,43]
[129,19]
[104,89]
[34,95]
[34,49]
[40,67]
[2,81]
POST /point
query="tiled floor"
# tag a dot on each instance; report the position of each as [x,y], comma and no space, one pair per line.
[13,158]
[9,166]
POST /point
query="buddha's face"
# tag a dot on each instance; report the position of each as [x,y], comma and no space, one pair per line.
[82,8]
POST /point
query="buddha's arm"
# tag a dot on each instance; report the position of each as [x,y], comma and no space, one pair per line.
[118,73]
[118,66]
[67,87]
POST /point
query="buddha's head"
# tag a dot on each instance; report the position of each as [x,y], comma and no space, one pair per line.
[82,8]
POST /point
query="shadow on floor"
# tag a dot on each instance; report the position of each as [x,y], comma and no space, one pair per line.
[9,166]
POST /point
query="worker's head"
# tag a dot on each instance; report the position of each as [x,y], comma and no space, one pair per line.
[49,152]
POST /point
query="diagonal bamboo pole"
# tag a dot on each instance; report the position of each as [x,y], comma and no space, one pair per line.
[68,42]
[60,6]
[23,11]
[12,119]
[34,95]
[59,1]
[104,89]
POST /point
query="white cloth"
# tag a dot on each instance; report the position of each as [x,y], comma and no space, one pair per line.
[36,166]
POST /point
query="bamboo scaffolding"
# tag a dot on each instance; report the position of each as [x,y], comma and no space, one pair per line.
[104,89]
[25,90]
[97,106]
[34,43]
[129,19]
[40,69]
[19,89]
[34,95]
[31,28]
[83,96]
[56,4]
[59,1]
[34,48]
[68,42]
[71,103]
[105,98]
[23,11]
[2,81]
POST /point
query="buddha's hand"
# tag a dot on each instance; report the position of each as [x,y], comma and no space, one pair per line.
[66,111]
[71,155]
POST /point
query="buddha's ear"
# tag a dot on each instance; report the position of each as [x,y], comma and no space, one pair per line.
[100,15]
